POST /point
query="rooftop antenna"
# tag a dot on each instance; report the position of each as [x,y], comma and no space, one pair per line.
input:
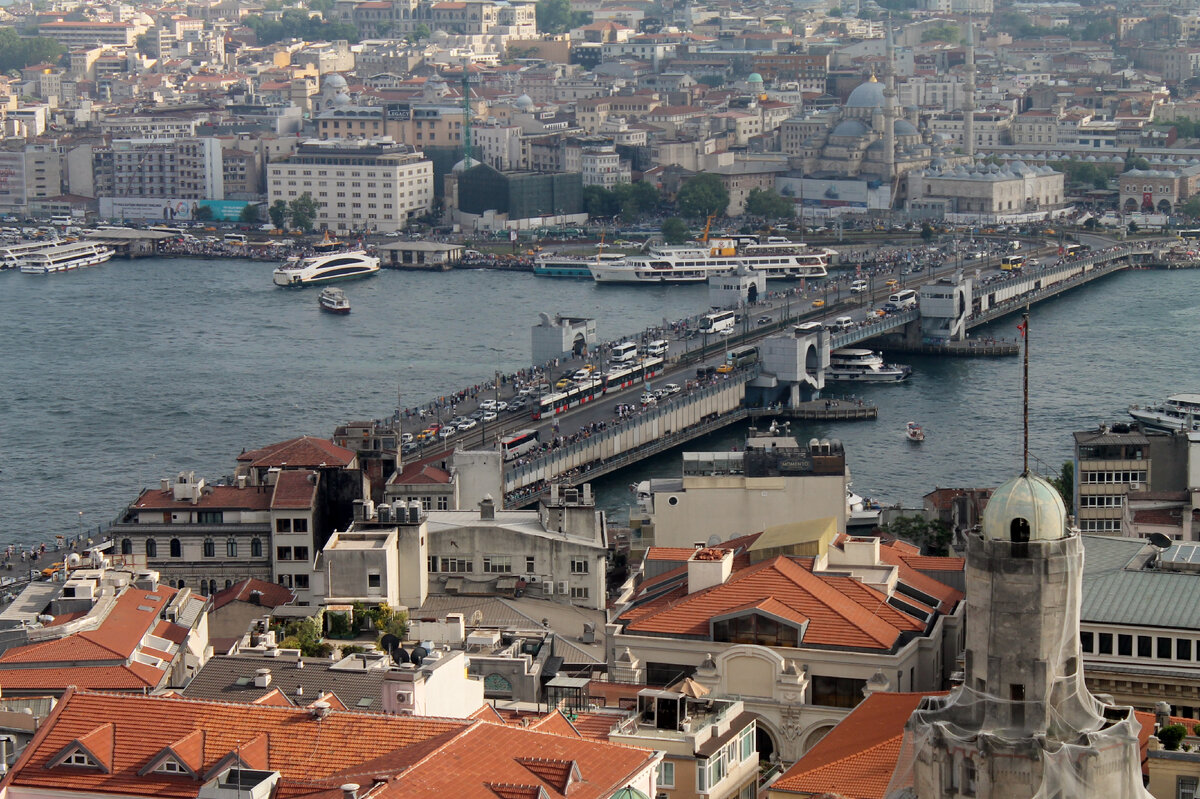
[1024,328]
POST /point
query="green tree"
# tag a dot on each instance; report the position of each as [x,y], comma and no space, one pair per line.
[703,195]
[1064,483]
[143,45]
[300,24]
[933,536]
[1171,736]
[17,52]
[305,635]
[926,232]
[941,33]
[249,214]
[556,16]
[278,213]
[636,200]
[303,212]
[203,213]
[768,204]
[1191,207]
[674,231]
[600,203]
[421,32]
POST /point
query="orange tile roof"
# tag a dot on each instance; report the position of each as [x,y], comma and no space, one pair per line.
[295,488]
[305,451]
[226,497]
[680,554]
[271,595]
[857,758]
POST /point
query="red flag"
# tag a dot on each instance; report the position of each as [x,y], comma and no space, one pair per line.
[1021,327]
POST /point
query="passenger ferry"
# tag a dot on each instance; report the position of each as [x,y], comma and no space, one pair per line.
[334,300]
[321,269]
[694,263]
[12,255]
[555,265]
[65,257]
[1180,412]
[863,366]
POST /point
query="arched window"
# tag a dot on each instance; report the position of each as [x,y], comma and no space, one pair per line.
[1019,530]
[151,548]
[212,587]
[176,548]
[210,549]
[126,546]
[255,548]
[231,548]
[228,583]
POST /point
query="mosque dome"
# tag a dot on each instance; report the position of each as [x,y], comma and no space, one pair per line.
[905,128]
[463,165]
[341,100]
[334,81]
[866,95]
[1030,498]
[525,102]
[754,78]
[850,127]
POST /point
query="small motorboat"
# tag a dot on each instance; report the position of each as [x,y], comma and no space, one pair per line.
[334,300]
[913,432]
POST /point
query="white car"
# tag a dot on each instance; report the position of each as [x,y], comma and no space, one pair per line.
[447,431]
[501,405]
[406,438]
[490,416]
[487,405]
[649,399]
[672,388]
[466,425]
[858,287]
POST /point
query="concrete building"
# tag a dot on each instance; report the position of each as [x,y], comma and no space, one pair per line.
[438,685]
[73,35]
[986,192]
[562,337]
[371,184]
[602,166]
[168,168]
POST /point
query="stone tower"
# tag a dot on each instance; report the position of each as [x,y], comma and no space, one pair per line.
[969,95]
[1023,723]
[889,112]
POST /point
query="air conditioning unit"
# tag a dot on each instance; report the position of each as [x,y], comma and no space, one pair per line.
[564,587]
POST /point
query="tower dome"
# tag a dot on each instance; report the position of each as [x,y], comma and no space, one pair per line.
[525,102]
[1025,508]
[866,95]
[754,77]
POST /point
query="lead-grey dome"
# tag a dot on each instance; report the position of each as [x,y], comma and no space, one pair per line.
[866,95]
[905,128]
[850,127]
[335,81]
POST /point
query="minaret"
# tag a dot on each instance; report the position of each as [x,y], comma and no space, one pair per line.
[969,98]
[889,112]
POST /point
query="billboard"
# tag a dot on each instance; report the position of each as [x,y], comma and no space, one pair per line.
[170,209]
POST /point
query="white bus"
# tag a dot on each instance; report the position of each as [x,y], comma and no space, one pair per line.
[624,352]
[901,300]
[235,238]
[720,322]
[658,349]
[518,444]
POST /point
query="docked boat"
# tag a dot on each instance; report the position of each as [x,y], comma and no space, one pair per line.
[696,262]
[556,265]
[861,512]
[12,255]
[1179,412]
[328,245]
[913,432]
[65,257]
[852,364]
[321,269]
[334,300]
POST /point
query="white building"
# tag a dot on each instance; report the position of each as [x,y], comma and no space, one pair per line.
[601,166]
[369,184]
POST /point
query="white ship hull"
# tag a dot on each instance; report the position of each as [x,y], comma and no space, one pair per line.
[324,269]
[696,263]
[48,262]
[1180,412]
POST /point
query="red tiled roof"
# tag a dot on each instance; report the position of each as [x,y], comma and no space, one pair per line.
[557,723]
[295,488]
[680,554]
[305,451]
[271,595]
[857,758]
[212,497]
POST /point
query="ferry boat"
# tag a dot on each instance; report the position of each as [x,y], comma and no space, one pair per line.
[914,433]
[334,300]
[12,255]
[694,263]
[326,268]
[555,265]
[863,366]
[1180,412]
[328,245]
[65,257]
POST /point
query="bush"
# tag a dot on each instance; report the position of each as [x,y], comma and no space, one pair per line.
[1171,736]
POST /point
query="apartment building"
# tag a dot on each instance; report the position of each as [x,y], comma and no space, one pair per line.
[183,168]
[72,35]
[369,184]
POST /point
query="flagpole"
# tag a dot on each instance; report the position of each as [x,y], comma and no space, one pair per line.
[1025,381]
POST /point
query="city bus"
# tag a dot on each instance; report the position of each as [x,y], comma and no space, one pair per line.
[1010,263]
[1074,250]
[519,443]
[746,356]
[720,322]
[1192,234]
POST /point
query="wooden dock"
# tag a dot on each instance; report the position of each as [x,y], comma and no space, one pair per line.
[962,349]
[832,410]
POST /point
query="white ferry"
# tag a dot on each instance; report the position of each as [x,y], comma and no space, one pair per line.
[863,366]
[555,265]
[1179,412]
[12,255]
[65,257]
[321,269]
[694,263]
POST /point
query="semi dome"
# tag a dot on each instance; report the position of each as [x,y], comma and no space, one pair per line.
[1026,498]
[850,127]
[905,128]
[866,95]
[334,81]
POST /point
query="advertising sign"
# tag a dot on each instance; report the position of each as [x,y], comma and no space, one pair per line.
[170,209]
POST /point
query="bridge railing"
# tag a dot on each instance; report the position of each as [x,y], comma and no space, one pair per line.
[870,329]
[518,475]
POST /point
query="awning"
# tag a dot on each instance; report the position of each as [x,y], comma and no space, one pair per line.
[506,584]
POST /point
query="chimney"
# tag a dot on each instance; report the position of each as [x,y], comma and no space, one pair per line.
[350,791]
[708,567]
[241,481]
[320,710]
[262,678]
[165,483]
[487,508]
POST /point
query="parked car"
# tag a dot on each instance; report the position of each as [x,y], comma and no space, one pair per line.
[447,431]
[764,320]
[406,438]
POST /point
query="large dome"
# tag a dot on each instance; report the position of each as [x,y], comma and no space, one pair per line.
[334,81]
[866,95]
[850,127]
[1027,497]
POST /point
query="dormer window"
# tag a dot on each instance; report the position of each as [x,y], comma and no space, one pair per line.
[169,766]
[79,759]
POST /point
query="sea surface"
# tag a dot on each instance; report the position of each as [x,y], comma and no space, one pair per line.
[114,377]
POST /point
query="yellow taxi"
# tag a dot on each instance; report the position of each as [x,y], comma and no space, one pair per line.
[818,303]
[891,283]
[724,368]
[562,383]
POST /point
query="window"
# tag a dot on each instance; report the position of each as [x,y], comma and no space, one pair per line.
[209,548]
[210,517]
[497,564]
[1125,645]
[1106,643]
[299,525]
[300,553]
[968,778]
[1086,642]
[302,581]
[579,592]
[283,525]
[579,565]
[457,565]
[151,548]
[176,548]
[1183,649]
[231,548]
[1163,646]
[529,564]
[666,775]
[373,580]
[1144,646]
[126,546]
[283,553]
[78,759]
[443,502]
[837,691]
[1186,787]
[255,548]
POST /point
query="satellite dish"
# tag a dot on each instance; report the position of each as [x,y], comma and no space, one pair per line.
[1159,541]
[400,656]
[714,539]
[390,644]
[418,655]
[477,618]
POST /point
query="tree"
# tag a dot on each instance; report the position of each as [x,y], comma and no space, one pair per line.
[296,23]
[305,635]
[768,204]
[249,214]
[421,32]
[703,195]
[674,231]
[556,16]
[203,213]
[1065,483]
[926,232]
[17,52]
[941,33]
[303,212]
[278,213]
[635,200]
[599,202]
[1171,736]
[933,536]
[144,46]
